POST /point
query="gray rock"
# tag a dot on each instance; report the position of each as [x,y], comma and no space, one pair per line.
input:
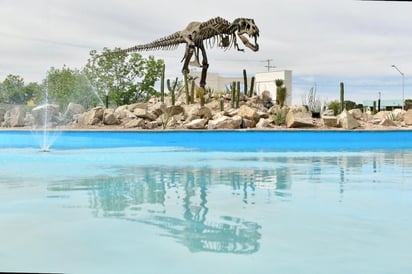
[199,112]
[299,120]
[135,123]
[14,117]
[109,118]
[226,122]
[248,113]
[47,113]
[92,117]
[330,121]
[246,123]
[346,121]
[145,114]
[356,113]
[197,124]
[407,118]
[263,123]
[73,109]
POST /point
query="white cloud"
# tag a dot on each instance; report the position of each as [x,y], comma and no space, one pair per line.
[325,40]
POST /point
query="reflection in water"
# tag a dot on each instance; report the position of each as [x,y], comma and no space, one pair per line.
[143,195]
[175,198]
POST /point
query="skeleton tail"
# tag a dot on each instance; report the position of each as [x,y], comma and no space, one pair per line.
[170,42]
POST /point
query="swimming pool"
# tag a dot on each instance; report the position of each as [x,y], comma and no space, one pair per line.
[200,202]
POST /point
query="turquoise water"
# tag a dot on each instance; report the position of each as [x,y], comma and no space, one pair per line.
[184,205]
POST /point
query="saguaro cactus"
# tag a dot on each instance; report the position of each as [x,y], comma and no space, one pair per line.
[192,92]
[237,94]
[342,96]
[162,85]
[245,85]
[233,94]
[172,89]
[252,85]
[245,82]
[186,87]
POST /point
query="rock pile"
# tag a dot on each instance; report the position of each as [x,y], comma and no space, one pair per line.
[255,112]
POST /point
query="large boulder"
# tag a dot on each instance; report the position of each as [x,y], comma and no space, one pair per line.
[225,122]
[14,117]
[346,121]
[197,124]
[158,108]
[330,121]
[299,120]
[134,106]
[145,114]
[199,112]
[123,112]
[47,113]
[387,123]
[91,117]
[151,125]
[246,123]
[263,123]
[2,113]
[135,123]
[73,110]
[174,110]
[356,113]
[248,113]
[407,118]
[109,118]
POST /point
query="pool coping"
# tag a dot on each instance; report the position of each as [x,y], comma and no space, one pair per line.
[23,129]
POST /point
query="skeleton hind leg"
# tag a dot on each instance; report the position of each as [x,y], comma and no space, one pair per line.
[205,66]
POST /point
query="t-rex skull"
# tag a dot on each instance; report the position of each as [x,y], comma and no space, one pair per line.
[247,26]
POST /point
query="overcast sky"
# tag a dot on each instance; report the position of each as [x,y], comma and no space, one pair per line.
[323,42]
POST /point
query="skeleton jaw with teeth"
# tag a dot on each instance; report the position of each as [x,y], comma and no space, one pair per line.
[248,27]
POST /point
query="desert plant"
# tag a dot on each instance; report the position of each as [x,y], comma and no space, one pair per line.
[312,101]
[245,81]
[342,96]
[280,92]
[201,93]
[335,106]
[279,118]
[172,89]
[162,85]
[252,84]
[186,87]
[394,117]
[245,85]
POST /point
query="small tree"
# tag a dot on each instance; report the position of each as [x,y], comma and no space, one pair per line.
[67,85]
[13,90]
[335,106]
[125,78]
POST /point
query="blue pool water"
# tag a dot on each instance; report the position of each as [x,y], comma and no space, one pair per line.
[200,202]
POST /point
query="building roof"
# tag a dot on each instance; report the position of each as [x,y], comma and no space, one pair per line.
[384,103]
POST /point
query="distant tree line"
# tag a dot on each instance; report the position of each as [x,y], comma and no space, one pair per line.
[124,78]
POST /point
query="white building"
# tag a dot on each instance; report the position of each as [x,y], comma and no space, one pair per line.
[266,81]
[263,81]
[217,82]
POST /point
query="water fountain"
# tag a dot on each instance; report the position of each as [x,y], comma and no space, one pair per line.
[44,115]
[96,93]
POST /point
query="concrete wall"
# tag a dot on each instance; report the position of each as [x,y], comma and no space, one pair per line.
[217,82]
[266,81]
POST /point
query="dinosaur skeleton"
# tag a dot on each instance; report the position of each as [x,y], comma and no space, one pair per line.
[214,31]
